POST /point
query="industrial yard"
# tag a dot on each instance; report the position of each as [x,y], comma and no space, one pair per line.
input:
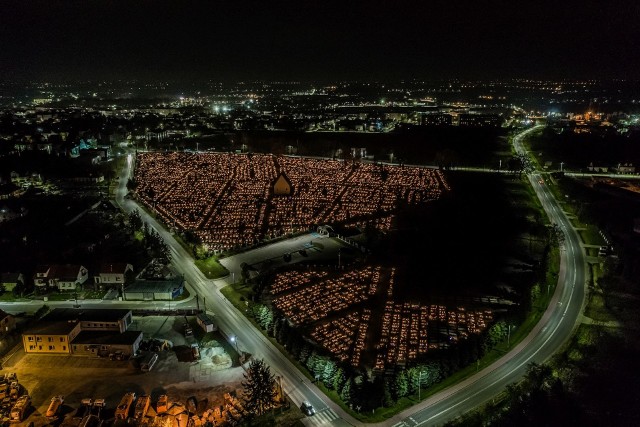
[203,389]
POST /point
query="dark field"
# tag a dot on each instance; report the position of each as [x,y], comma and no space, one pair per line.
[460,245]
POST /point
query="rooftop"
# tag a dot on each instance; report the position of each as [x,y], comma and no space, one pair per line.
[106,338]
[155,285]
[59,327]
[84,314]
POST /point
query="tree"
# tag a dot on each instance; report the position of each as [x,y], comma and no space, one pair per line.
[346,394]
[259,387]
[339,379]
[263,315]
[497,333]
[328,373]
[131,184]
[556,235]
[401,385]
[135,222]
[387,399]
[538,376]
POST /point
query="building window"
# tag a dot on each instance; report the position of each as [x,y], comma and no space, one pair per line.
[39,339]
[50,339]
[32,347]
[52,347]
[40,347]
[30,338]
[64,348]
[61,339]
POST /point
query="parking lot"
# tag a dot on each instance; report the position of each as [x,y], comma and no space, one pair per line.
[77,377]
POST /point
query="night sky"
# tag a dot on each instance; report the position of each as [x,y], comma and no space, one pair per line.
[308,39]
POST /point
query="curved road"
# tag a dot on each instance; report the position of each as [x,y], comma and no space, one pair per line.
[548,335]
[553,330]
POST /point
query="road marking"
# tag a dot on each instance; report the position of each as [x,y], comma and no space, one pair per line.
[323,417]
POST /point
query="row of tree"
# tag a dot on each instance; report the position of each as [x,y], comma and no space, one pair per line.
[151,239]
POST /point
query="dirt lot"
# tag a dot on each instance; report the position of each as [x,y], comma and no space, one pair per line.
[77,377]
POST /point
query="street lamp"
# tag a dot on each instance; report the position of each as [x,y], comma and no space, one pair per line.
[509,335]
[234,340]
[420,384]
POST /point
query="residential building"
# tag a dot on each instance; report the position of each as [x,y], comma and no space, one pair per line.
[96,332]
[10,280]
[50,337]
[479,120]
[626,168]
[437,119]
[67,277]
[112,274]
[7,323]
[597,168]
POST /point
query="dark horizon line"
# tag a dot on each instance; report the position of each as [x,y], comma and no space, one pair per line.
[324,81]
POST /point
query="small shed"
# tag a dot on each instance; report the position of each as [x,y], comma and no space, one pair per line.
[206,322]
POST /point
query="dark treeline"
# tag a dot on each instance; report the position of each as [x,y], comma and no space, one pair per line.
[415,145]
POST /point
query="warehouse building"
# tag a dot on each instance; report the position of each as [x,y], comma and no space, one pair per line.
[154,290]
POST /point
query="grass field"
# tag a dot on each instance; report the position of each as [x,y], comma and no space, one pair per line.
[211,268]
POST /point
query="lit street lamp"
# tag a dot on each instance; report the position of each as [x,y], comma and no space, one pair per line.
[235,340]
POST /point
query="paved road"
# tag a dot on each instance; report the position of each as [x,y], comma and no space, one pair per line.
[233,322]
[552,331]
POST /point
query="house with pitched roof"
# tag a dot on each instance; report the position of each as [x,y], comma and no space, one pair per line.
[10,280]
[68,277]
[112,274]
